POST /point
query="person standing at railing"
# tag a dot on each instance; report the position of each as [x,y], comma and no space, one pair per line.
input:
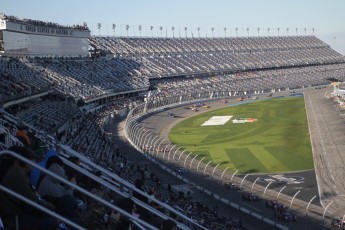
[16,179]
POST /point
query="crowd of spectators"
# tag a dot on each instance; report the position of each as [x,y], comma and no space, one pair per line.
[134,63]
[164,65]
[47,113]
[72,205]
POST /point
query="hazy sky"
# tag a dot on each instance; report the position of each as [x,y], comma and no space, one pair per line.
[327,17]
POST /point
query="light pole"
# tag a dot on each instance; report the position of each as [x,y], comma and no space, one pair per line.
[263,195]
[161,29]
[214,169]
[199,32]
[140,28]
[236,29]
[178,160]
[243,180]
[151,28]
[173,28]
[221,176]
[141,138]
[114,27]
[306,210]
[191,163]
[140,131]
[185,31]
[185,160]
[212,29]
[311,200]
[99,25]
[165,150]
[254,183]
[144,142]
[294,197]
[148,143]
[174,153]
[233,176]
[280,192]
[170,151]
[154,145]
[324,212]
[158,148]
[127,27]
[206,166]
[258,32]
[197,167]
[225,32]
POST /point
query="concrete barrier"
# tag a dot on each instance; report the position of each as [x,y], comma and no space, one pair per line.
[234,205]
[245,210]
[225,201]
[257,216]
[282,227]
[271,222]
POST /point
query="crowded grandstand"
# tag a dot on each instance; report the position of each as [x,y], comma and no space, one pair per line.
[60,88]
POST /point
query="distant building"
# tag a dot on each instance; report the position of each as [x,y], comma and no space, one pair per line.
[26,37]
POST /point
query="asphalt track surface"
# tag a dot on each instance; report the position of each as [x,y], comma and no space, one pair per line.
[325,125]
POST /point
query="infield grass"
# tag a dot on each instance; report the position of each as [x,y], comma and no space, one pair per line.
[277,142]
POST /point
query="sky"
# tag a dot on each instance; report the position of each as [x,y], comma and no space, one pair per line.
[327,17]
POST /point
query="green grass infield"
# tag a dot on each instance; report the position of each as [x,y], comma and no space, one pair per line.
[278,141]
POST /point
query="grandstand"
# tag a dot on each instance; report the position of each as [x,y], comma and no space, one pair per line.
[66,90]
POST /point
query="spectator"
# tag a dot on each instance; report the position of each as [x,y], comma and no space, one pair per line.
[16,179]
[35,173]
[22,135]
[53,191]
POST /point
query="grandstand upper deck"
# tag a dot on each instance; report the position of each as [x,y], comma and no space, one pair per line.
[149,46]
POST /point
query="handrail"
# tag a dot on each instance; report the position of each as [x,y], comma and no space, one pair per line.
[40,207]
[111,175]
[82,190]
[130,186]
[111,186]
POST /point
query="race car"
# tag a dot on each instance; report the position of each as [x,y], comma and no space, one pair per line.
[250,196]
[276,205]
[232,186]
[199,104]
[287,216]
